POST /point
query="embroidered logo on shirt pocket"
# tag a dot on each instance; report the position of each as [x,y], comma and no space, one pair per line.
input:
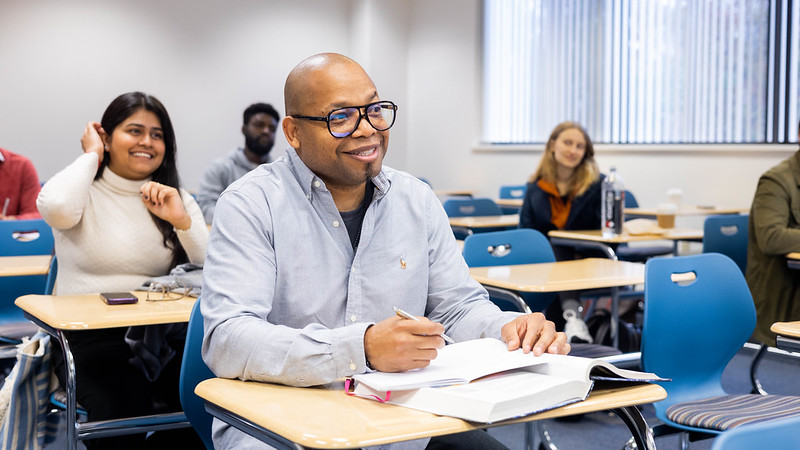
[403,263]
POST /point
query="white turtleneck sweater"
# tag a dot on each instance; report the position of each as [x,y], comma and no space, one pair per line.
[105,237]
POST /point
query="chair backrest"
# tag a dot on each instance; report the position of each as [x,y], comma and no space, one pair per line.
[783,433]
[461,207]
[193,371]
[727,234]
[50,283]
[22,238]
[25,237]
[692,329]
[513,191]
[630,200]
[507,248]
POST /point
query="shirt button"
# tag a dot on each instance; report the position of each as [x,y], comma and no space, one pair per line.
[352,269]
[336,223]
[353,318]
[353,366]
[316,183]
[308,196]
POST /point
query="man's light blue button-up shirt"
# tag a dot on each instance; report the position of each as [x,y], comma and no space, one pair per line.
[287,300]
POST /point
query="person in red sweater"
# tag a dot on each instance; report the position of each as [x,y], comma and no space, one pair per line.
[19,187]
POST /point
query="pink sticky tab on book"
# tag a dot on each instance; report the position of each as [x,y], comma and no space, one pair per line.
[350,385]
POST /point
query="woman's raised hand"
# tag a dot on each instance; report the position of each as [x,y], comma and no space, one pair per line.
[165,202]
[93,139]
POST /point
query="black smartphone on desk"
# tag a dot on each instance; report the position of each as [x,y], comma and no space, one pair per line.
[118,298]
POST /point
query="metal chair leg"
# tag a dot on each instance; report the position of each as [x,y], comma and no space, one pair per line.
[757,388]
[545,441]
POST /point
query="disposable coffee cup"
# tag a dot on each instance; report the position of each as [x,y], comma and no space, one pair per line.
[665,214]
[675,196]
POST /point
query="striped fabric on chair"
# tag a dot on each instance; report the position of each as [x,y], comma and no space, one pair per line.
[728,411]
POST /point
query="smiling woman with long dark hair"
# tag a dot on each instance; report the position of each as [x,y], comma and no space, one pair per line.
[120,217]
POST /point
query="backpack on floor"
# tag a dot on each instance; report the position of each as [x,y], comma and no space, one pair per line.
[599,324]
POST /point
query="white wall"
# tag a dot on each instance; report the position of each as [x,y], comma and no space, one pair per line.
[61,63]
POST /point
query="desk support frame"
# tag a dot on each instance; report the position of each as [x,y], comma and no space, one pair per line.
[788,343]
[262,434]
[117,427]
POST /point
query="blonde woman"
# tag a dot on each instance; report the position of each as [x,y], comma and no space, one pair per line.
[564,194]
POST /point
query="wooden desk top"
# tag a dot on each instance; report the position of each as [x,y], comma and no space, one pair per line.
[794,255]
[12,266]
[508,220]
[589,273]
[89,312]
[791,329]
[327,418]
[597,236]
[509,202]
[689,211]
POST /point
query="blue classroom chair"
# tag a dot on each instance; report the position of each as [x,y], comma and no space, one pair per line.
[511,247]
[193,371]
[21,238]
[727,234]
[25,237]
[512,192]
[716,309]
[778,434]
[468,206]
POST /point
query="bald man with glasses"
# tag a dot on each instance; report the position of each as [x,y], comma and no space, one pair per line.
[309,255]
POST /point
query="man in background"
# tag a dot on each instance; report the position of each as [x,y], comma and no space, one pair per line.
[19,187]
[260,122]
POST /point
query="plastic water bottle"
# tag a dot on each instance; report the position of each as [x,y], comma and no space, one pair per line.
[612,206]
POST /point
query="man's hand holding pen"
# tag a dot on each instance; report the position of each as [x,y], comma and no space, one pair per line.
[398,344]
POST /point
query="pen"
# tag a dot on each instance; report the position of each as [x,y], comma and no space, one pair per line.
[406,315]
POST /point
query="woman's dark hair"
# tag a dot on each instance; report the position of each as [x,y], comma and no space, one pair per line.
[120,109]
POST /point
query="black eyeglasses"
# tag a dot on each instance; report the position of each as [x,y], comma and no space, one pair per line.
[343,122]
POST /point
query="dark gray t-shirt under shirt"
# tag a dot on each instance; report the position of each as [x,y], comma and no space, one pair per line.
[353,219]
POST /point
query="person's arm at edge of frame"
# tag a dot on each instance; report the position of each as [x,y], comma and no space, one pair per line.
[29,193]
[771,210]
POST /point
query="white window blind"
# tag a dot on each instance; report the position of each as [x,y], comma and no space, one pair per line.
[646,71]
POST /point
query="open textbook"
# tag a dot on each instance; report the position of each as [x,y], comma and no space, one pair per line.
[481,381]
